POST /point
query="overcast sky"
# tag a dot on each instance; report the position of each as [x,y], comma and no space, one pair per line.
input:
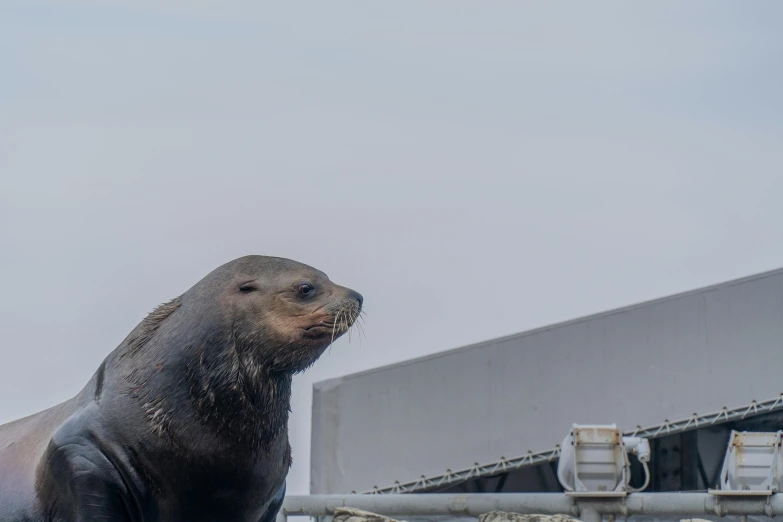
[474,169]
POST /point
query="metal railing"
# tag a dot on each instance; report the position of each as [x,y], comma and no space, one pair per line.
[695,421]
[587,509]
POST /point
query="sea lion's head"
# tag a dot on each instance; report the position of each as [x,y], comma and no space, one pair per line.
[232,342]
[252,316]
[284,314]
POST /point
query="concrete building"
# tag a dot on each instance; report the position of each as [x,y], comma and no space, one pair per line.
[683,370]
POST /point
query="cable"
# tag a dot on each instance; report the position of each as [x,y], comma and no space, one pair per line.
[646,478]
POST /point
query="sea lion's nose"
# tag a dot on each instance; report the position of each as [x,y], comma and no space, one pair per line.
[356,296]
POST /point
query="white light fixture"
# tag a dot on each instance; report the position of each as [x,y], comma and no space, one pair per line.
[594,461]
[753,464]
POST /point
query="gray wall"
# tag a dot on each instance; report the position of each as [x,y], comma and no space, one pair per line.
[665,359]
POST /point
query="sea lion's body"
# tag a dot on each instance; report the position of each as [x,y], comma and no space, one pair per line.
[186,419]
[98,439]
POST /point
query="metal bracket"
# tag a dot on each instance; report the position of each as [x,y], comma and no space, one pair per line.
[596,494]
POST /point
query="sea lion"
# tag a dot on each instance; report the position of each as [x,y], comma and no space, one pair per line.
[186,420]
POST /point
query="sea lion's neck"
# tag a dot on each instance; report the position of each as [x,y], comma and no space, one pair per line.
[187,369]
[214,391]
[250,412]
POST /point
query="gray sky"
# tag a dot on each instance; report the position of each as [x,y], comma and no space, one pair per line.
[473,168]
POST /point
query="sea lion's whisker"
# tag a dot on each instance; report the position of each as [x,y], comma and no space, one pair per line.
[354,316]
[343,317]
[356,313]
[347,324]
[360,332]
[360,327]
[334,326]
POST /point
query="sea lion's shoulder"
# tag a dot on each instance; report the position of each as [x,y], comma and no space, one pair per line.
[78,464]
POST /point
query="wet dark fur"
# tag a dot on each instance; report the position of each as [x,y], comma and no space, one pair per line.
[187,418]
[149,326]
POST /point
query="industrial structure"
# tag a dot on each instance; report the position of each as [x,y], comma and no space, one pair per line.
[680,373]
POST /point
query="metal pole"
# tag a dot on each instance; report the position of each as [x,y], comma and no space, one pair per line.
[530,503]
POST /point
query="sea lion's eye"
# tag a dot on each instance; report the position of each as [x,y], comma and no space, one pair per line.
[305,289]
[247,288]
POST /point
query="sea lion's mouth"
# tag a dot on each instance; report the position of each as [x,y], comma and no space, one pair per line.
[335,327]
[320,325]
[324,329]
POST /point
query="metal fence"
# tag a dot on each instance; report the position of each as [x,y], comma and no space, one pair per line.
[695,421]
[584,508]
